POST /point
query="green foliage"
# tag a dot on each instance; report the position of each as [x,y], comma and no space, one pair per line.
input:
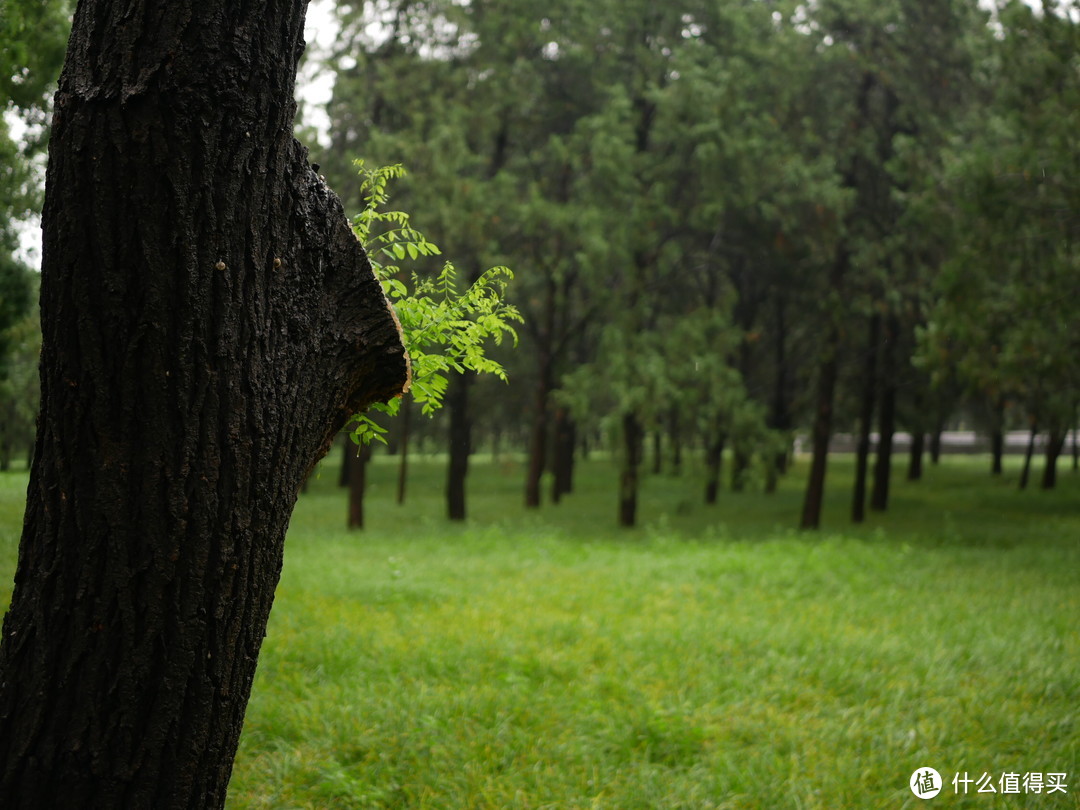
[444,330]
[1002,319]
[33,35]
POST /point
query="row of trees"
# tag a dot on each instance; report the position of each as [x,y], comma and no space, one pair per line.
[733,220]
[729,221]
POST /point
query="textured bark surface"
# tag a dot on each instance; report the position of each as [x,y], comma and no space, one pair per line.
[209,323]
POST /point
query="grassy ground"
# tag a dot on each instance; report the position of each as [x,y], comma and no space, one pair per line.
[713,658]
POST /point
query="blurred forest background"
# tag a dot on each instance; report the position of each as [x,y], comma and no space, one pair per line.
[736,227]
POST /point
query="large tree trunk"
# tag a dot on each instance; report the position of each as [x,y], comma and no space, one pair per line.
[879,493]
[866,419]
[209,324]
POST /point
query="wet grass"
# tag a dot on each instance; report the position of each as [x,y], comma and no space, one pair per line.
[713,658]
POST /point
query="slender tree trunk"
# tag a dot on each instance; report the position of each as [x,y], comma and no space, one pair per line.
[821,433]
[403,463]
[879,494]
[997,438]
[780,416]
[460,445]
[209,323]
[714,457]
[357,459]
[545,381]
[997,451]
[866,419]
[1054,444]
[657,452]
[675,431]
[562,463]
[628,478]
[828,372]
[915,456]
[1026,471]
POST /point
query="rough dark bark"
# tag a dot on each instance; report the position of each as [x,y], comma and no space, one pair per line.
[866,419]
[457,400]
[879,493]
[628,477]
[209,324]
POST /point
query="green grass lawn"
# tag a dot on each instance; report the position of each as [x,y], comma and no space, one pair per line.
[713,658]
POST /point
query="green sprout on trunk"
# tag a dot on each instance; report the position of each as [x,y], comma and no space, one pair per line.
[444,330]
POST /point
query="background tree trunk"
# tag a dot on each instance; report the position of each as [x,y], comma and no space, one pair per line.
[866,419]
[562,462]
[1054,444]
[538,443]
[714,458]
[457,469]
[403,462]
[915,455]
[357,460]
[209,324]
[1026,471]
[879,493]
[628,478]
